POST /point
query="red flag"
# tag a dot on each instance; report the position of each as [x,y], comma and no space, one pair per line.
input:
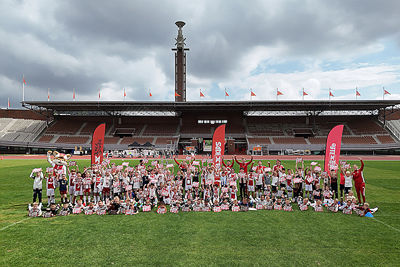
[278,92]
[218,145]
[226,93]
[201,94]
[176,94]
[252,93]
[98,144]
[385,92]
[304,93]
[358,93]
[48,94]
[124,93]
[150,94]
[330,93]
[333,144]
[99,94]
[23,80]
[73,94]
[8,104]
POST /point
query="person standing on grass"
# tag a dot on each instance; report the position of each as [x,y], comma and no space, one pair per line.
[359,181]
[229,164]
[243,164]
[37,185]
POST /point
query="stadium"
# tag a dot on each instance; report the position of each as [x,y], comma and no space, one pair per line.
[151,188]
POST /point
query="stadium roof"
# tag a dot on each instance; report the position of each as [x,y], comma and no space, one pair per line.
[169,106]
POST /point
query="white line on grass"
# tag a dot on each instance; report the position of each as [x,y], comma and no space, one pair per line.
[394,228]
[5,227]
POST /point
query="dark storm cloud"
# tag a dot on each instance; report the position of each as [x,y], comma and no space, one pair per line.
[87,43]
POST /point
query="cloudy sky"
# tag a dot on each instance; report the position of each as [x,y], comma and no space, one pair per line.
[111,45]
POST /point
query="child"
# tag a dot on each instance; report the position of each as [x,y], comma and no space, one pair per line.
[334,207]
[303,206]
[318,206]
[101,208]
[78,207]
[327,196]
[259,203]
[65,210]
[317,193]
[287,206]
[147,206]
[269,205]
[89,210]
[47,213]
[63,188]
[78,193]
[50,185]
[86,187]
[235,206]
[216,207]
[225,204]
[162,209]
[308,183]
[34,210]
[132,210]
[37,185]
[348,207]
[278,204]
[365,209]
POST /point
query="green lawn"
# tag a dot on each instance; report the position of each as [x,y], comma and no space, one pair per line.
[252,238]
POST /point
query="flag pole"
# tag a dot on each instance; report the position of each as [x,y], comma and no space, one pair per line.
[329,94]
[303,93]
[251,95]
[23,88]
[276,93]
[225,94]
[383,89]
[356,93]
[48,94]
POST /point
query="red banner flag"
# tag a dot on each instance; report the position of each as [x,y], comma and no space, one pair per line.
[330,93]
[176,94]
[98,144]
[385,92]
[333,144]
[201,94]
[124,93]
[218,145]
[226,93]
[73,94]
[252,93]
[358,93]
[278,92]
[304,93]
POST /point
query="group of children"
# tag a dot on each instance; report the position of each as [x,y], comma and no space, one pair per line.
[198,186]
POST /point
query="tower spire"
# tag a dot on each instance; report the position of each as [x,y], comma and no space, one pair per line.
[180,64]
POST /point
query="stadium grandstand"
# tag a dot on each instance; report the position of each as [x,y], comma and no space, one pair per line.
[252,127]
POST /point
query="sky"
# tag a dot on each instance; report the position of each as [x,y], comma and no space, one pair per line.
[109,46]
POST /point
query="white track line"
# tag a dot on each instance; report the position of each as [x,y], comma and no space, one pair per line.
[394,228]
[5,227]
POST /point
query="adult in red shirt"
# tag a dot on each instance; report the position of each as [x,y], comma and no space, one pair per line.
[359,182]
[242,164]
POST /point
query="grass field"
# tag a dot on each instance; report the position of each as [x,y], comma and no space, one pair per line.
[274,238]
